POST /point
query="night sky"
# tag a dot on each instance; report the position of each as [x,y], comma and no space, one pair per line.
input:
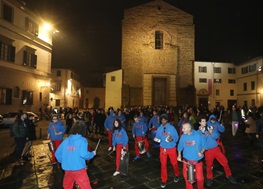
[90,32]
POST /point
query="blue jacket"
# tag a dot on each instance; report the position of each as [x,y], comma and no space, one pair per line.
[139,129]
[73,152]
[119,137]
[210,139]
[191,145]
[162,135]
[216,126]
[122,119]
[56,127]
[154,122]
[108,124]
[142,119]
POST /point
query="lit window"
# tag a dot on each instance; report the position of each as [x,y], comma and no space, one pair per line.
[27,97]
[5,96]
[31,27]
[58,87]
[217,81]
[29,58]
[7,50]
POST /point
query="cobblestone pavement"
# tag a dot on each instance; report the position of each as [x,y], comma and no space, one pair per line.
[144,173]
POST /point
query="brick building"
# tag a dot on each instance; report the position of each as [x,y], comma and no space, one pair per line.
[157,55]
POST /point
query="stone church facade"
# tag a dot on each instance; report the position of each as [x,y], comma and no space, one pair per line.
[157,55]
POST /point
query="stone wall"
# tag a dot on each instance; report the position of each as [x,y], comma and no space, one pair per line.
[139,55]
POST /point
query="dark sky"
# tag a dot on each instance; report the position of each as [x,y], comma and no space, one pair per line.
[90,31]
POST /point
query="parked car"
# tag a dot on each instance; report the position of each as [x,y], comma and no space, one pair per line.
[8,119]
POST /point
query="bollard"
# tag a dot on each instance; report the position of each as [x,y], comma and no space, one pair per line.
[40,133]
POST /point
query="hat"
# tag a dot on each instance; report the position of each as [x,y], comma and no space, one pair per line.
[163,116]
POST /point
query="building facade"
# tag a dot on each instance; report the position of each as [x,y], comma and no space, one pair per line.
[215,83]
[250,83]
[93,97]
[25,58]
[157,55]
[65,89]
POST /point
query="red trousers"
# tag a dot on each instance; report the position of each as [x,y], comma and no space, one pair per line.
[56,144]
[118,155]
[216,153]
[172,154]
[146,143]
[198,175]
[81,177]
[110,138]
[220,144]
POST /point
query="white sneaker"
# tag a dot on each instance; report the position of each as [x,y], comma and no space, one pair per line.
[116,173]
[110,148]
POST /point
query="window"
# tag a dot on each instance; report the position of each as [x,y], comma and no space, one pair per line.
[40,96]
[31,27]
[58,87]
[202,69]
[244,86]
[57,102]
[8,13]
[232,92]
[202,80]
[217,92]
[16,92]
[244,70]
[252,68]
[245,103]
[231,81]
[231,70]
[58,73]
[7,52]
[217,69]
[217,80]
[113,78]
[158,40]
[5,96]
[253,85]
[253,102]
[29,58]
[27,97]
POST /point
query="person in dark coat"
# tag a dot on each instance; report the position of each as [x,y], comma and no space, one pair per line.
[30,136]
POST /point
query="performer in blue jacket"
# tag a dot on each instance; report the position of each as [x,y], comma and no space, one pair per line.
[72,154]
[167,136]
[120,140]
[108,124]
[55,133]
[193,146]
[153,125]
[139,130]
[213,152]
[217,127]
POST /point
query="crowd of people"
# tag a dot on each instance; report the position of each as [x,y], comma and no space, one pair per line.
[192,138]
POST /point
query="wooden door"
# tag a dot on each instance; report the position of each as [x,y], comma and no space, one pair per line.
[159,91]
